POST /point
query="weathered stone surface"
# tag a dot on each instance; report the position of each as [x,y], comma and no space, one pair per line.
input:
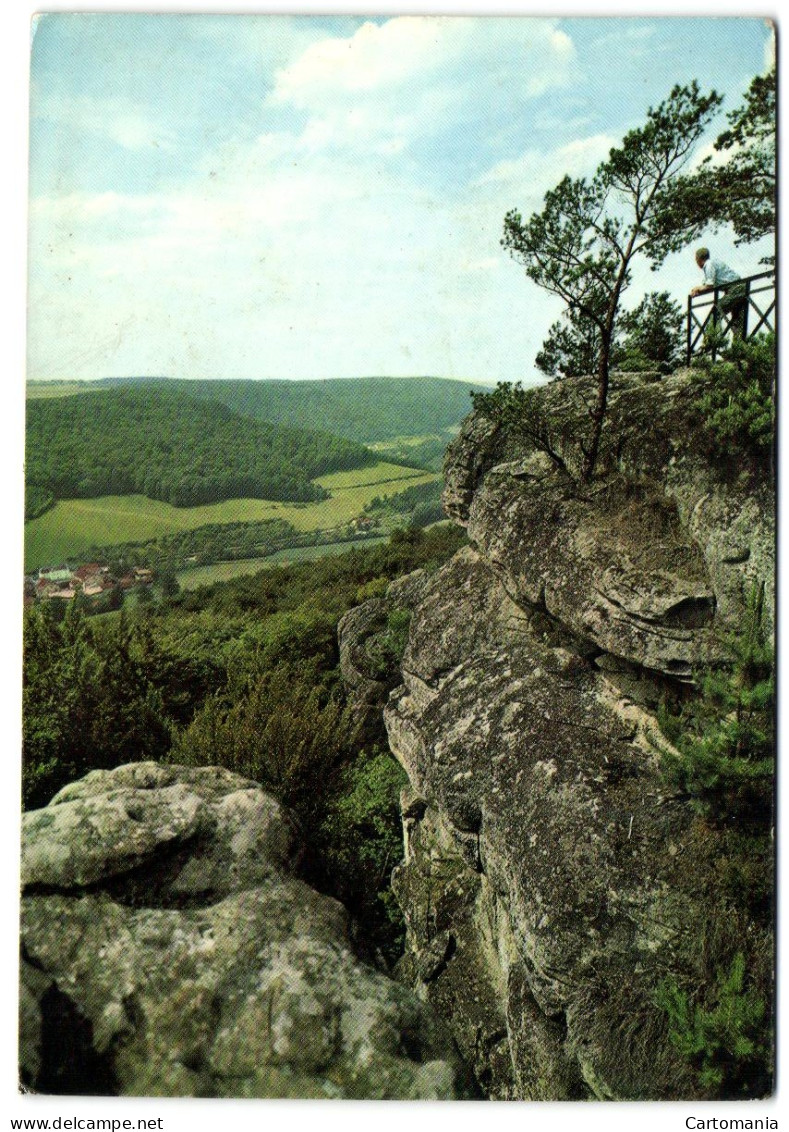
[169,950]
[369,671]
[540,849]
[734,526]
[646,598]
[677,575]
[216,830]
[366,688]
[477,448]
[549,882]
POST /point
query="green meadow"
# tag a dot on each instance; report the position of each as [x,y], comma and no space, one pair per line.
[46,390]
[412,441]
[74,525]
[197,576]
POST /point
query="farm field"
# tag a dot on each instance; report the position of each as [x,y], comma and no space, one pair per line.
[191,579]
[46,390]
[412,441]
[73,525]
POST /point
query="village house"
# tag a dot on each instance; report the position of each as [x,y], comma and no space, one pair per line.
[89,572]
[57,574]
[91,579]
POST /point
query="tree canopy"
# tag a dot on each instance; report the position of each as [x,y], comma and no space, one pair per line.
[571,347]
[652,334]
[582,244]
[648,337]
[174,448]
[739,187]
[364,409]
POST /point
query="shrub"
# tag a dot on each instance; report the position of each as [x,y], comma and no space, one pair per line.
[724,1041]
[653,334]
[736,402]
[98,697]
[385,650]
[520,412]
[723,742]
[362,841]
[284,731]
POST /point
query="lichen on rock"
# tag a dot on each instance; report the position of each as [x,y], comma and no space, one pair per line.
[169,949]
[546,885]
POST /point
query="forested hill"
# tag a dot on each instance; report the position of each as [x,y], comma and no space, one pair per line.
[172,447]
[364,409]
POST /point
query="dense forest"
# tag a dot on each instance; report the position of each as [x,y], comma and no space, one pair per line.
[364,409]
[172,447]
[244,673]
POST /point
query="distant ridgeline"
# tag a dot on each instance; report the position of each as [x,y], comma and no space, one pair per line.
[173,447]
[364,409]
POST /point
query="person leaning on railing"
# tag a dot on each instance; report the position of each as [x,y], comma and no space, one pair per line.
[734,300]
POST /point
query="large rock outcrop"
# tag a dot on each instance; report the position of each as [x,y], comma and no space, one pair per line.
[551,881]
[169,949]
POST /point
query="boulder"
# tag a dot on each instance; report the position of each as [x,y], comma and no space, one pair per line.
[368,666]
[169,949]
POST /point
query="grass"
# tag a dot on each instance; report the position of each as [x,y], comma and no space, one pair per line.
[73,525]
[38,390]
[412,441]
[222,571]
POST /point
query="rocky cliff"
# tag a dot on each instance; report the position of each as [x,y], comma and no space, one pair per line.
[551,879]
[554,882]
[170,950]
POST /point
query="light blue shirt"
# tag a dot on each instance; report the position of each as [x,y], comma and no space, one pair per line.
[717,274]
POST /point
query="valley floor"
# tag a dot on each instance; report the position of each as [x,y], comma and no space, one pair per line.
[74,525]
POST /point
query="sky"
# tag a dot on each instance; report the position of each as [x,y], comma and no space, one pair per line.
[318,196]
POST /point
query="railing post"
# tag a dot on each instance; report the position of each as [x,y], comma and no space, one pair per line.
[760,319]
[747,308]
[715,320]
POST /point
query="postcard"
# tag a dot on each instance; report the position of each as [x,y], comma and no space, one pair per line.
[399,580]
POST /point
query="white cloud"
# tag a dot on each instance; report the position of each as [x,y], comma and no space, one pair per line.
[280,255]
[537,169]
[116,118]
[400,79]
[627,34]
[277,264]
[311,238]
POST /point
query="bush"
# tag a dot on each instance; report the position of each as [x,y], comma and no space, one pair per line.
[284,731]
[724,741]
[653,334]
[722,762]
[723,1041]
[362,842]
[385,649]
[98,697]
[520,412]
[736,403]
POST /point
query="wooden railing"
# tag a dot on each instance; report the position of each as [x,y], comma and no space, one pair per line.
[753,312]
